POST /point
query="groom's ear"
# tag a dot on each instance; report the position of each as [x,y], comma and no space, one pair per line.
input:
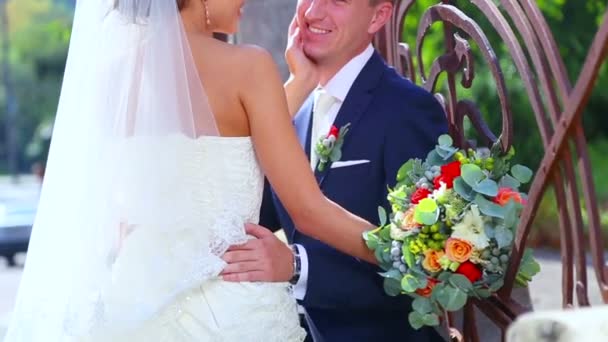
[383,13]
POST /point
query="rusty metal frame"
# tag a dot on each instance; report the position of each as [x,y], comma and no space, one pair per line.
[557,107]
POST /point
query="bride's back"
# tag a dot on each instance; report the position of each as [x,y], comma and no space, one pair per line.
[223,69]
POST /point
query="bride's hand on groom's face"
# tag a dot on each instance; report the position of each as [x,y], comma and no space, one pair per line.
[302,68]
[265,258]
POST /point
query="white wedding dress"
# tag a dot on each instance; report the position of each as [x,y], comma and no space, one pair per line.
[219,179]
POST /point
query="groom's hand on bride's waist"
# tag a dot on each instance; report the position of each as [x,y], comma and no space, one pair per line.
[265,258]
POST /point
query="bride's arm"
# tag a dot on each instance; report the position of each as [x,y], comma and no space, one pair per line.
[287,168]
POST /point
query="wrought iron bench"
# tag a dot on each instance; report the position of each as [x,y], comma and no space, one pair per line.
[557,105]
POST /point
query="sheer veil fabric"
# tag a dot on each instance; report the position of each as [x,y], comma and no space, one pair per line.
[130,85]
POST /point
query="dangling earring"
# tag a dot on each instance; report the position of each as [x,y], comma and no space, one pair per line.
[207,13]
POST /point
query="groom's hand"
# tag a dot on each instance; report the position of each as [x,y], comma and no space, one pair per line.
[265,259]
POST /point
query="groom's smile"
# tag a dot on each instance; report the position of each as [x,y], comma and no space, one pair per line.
[335,31]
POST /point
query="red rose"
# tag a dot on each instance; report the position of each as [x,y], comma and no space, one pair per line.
[506,194]
[426,292]
[449,182]
[334,131]
[419,195]
[469,270]
[451,170]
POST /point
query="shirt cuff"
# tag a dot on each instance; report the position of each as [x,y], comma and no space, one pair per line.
[299,289]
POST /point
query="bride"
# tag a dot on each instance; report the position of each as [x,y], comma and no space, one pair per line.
[151,177]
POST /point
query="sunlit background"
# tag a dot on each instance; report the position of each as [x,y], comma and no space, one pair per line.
[34,38]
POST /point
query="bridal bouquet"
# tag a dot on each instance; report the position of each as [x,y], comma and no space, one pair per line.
[451,229]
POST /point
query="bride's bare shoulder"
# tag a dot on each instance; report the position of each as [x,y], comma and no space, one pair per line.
[254,57]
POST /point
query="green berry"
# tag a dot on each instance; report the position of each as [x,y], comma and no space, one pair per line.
[425,230]
[437,237]
[434,228]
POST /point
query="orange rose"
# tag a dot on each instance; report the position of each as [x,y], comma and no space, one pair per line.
[458,250]
[506,194]
[408,222]
[426,292]
[431,260]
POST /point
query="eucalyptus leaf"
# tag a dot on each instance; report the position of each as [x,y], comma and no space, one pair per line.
[509,182]
[486,187]
[461,282]
[521,173]
[382,215]
[422,305]
[483,293]
[392,287]
[416,320]
[463,189]
[452,298]
[409,283]
[511,214]
[489,208]
[495,286]
[444,276]
[472,174]
[430,319]
[385,233]
[426,212]
[503,236]
[434,159]
[445,140]
[393,274]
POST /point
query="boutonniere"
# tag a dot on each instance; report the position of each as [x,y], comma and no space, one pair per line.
[329,148]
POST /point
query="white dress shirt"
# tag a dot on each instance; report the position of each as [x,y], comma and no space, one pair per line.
[338,87]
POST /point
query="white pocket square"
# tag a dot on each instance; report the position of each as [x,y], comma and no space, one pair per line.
[339,164]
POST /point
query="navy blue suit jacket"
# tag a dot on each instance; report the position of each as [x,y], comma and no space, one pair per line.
[392,120]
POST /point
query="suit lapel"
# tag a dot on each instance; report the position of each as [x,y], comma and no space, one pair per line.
[357,102]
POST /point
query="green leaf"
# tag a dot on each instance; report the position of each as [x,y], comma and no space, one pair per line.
[445,140]
[521,173]
[503,236]
[444,276]
[382,215]
[483,293]
[461,282]
[422,305]
[511,214]
[430,319]
[472,174]
[404,170]
[410,284]
[336,154]
[463,189]
[509,182]
[408,255]
[496,285]
[489,208]
[426,212]
[371,240]
[487,187]
[392,287]
[452,298]
[529,267]
[385,233]
[434,159]
[393,273]
[416,320]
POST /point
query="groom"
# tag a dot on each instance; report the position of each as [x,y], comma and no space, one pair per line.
[391,120]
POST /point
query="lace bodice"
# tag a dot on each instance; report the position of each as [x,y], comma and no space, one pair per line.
[208,189]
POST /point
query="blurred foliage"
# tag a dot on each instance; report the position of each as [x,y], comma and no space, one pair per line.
[573,24]
[39,33]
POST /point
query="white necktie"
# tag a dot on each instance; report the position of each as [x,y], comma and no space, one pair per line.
[321,108]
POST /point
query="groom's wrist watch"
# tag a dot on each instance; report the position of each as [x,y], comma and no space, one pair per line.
[297,265]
